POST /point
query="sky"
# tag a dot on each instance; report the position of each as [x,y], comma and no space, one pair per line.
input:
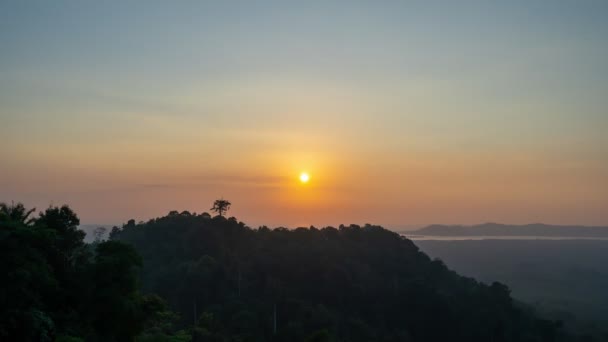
[402,113]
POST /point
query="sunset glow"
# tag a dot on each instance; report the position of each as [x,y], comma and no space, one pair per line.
[353,112]
[304,170]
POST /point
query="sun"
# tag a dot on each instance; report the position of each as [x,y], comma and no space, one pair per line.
[304,177]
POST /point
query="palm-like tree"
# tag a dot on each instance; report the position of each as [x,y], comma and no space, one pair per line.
[16,213]
[220,206]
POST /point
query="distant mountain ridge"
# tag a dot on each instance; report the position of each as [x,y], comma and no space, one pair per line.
[497,229]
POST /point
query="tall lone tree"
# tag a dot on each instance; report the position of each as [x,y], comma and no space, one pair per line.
[220,206]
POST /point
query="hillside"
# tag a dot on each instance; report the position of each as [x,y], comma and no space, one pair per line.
[349,283]
[187,277]
[565,279]
[496,229]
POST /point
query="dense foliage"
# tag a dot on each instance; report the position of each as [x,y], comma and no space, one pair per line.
[347,284]
[56,287]
[228,282]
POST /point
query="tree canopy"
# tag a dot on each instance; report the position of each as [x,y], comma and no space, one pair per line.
[54,286]
[188,277]
[351,283]
[221,206]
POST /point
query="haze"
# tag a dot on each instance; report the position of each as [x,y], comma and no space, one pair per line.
[401,114]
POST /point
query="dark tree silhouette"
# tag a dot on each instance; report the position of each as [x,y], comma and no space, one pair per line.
[55,287]
[221,206]
[16,212]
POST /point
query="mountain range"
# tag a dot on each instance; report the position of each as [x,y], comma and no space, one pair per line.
[497,229]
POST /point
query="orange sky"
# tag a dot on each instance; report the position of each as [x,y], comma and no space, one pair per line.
[402,114]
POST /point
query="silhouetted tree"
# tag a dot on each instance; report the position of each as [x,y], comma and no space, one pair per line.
[221,206]
[55,287]
[116,304]
[16,213]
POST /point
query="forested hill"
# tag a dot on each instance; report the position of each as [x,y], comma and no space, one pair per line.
[224,281]
[349,283]
[496,229]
